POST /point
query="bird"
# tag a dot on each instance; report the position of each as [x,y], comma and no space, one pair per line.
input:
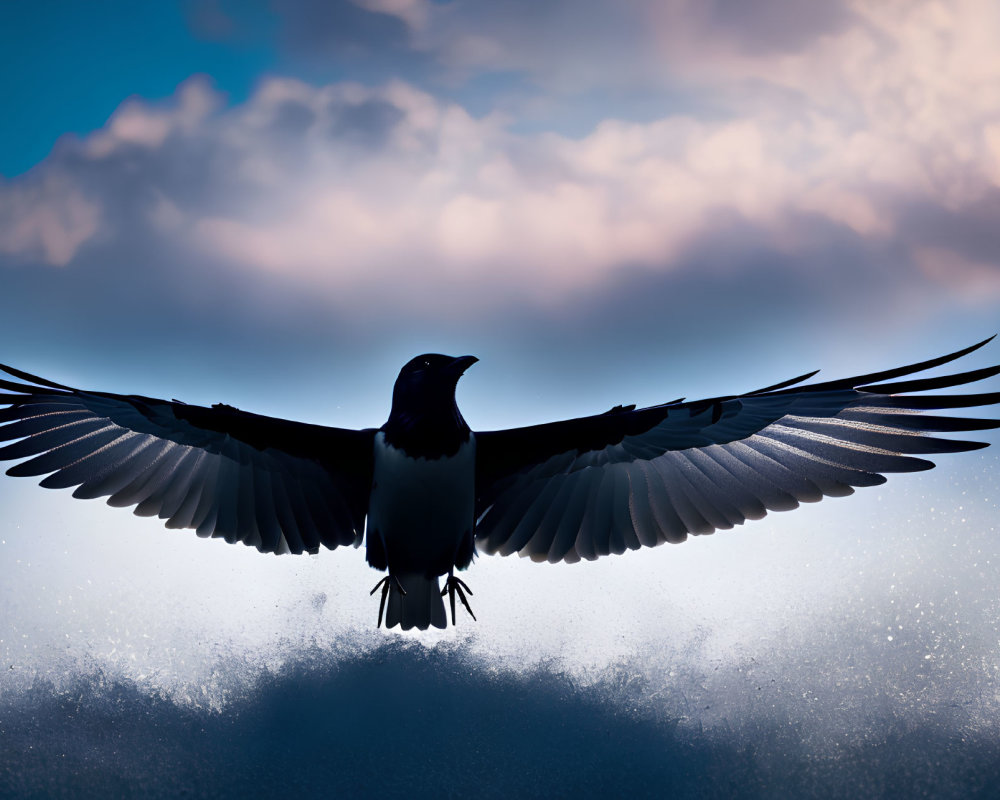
[425,494]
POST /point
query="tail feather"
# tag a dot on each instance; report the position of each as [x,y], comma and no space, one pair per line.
[420,607]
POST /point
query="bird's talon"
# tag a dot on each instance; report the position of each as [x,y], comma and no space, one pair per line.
[381,603]
[465,602]
[388,582]
[454,586]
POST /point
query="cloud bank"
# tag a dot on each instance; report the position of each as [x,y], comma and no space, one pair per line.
[405,722]
[875,122]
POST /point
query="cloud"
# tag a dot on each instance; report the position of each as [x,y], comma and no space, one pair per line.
[46,220]
[350,193]
[344,27]
[401,721]
[871,631]
[568,45]
[762,26]
[958,247]
[143,126]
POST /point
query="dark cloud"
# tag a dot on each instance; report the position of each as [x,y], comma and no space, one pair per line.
[367,123]
[731,311]
[405,722]
[339,28]
[970,230]
[292,119]
[142,304]
[556,42]
[395,724]
[761,27]
[561,44]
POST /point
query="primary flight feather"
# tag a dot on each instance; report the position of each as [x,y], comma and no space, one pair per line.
[423,491]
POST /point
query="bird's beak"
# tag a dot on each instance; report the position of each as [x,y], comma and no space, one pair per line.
[462,363]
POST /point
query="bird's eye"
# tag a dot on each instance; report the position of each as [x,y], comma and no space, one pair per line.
[427,363]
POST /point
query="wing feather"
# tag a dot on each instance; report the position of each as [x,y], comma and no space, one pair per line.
[745,502]
[601,513]
[566,523]
[181,488]
[159,481]
[672,527]
[47,438]
[175,492]
[284,508]
[679,495]
[137,489]
[207,511]
[647,532]
[616,511]
[639,477]
[74,449]
[716,508]
[760,475]
[545,513]
[276,485]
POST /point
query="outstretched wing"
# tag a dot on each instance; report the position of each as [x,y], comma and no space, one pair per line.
[280,486]
[631,477]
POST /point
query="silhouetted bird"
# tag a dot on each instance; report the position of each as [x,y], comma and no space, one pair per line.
[431,489]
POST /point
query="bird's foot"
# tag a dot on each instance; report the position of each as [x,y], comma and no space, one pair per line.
[454,586]
[387,583]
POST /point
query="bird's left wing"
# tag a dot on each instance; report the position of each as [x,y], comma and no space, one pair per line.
[638,477]
[277,485]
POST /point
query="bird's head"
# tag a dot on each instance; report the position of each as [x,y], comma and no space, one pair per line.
[430,379]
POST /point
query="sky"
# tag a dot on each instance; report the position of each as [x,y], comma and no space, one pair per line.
[276,204]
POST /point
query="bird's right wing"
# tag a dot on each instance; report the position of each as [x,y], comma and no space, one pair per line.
[277,485]
[632,477]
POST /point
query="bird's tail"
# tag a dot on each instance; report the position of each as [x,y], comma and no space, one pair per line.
[420,607]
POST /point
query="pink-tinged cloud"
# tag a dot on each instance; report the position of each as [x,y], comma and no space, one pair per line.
[46,220]
[568,45]
[142,125]
[346,188]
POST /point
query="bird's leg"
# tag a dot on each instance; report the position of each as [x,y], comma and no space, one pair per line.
[457,586]
[386,583]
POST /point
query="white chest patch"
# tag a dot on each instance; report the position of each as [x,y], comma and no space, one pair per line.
[421,508]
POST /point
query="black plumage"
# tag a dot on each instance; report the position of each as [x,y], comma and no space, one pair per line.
[431,490]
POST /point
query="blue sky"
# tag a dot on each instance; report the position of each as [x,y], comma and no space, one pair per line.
[275,205]
[68,66]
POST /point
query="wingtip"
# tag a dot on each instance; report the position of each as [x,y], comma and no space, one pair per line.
[784,384]
[874,378]
[973,348]
[27,376]
[927,384]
